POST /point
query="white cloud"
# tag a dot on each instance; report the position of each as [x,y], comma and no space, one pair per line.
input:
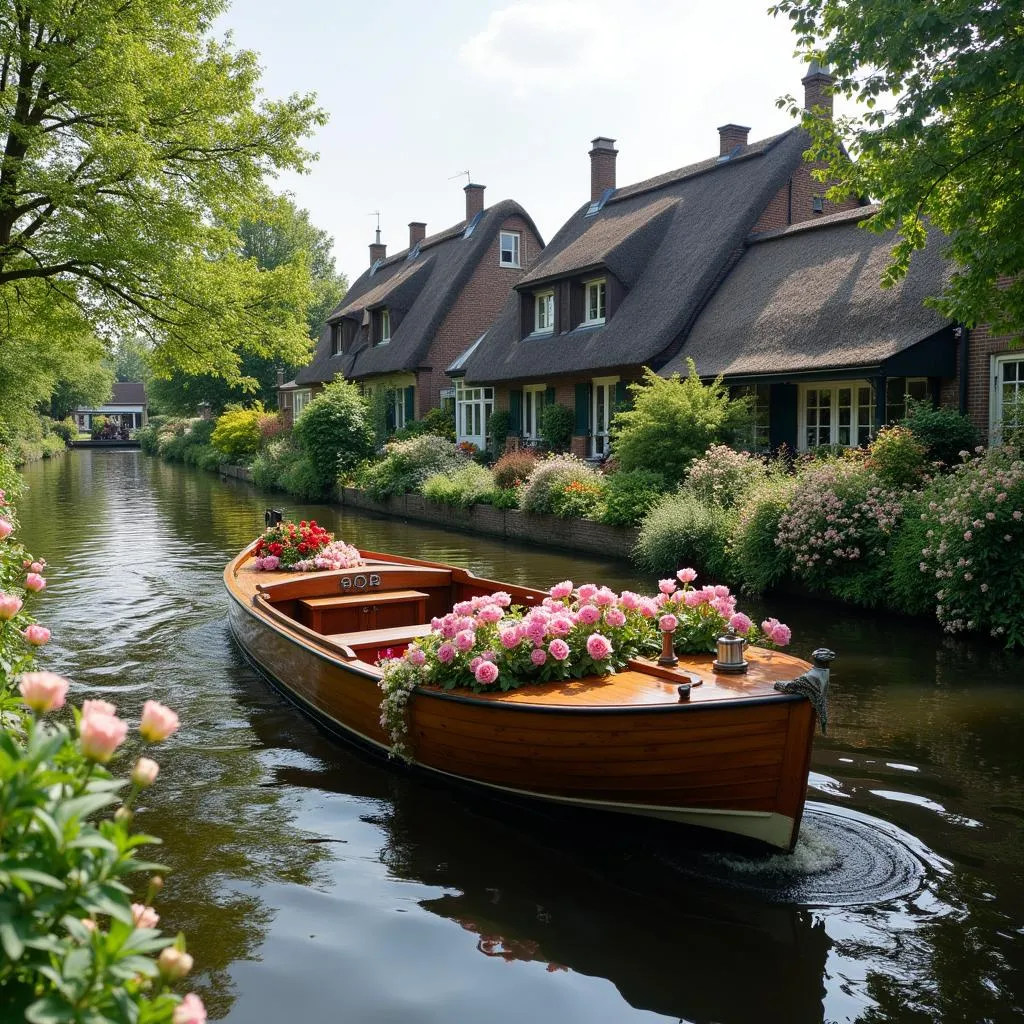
[533,46]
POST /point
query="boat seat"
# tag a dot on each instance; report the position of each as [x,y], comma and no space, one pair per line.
[380,637]
[368,610]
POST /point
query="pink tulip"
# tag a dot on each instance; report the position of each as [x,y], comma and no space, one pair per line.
[9,607]
[143,916]
[189,1011]
[158,722]
[145,772]
[98,707]
[36,635]
[6,529]
[43,691]
[100,735]
[174,963]
[35,582]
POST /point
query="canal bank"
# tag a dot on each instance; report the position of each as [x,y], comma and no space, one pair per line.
[307,875]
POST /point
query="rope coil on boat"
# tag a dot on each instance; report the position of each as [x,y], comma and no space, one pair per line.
[813,685]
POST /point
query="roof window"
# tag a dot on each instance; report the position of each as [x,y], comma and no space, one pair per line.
[598,204]
[471,226]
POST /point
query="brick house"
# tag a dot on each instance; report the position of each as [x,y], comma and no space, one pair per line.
[410,315]
[622,283]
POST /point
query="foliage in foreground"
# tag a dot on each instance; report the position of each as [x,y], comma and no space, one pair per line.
[335,432]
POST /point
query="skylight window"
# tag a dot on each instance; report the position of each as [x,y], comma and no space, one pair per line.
[471,226]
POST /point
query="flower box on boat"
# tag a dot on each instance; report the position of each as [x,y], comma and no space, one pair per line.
[617,732]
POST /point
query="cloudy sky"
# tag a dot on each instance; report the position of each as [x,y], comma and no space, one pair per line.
[510,90]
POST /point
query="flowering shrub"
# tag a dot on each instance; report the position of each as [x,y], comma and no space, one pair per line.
[513,468]
[681,529]
[463,488]
[897,457]
[305,547]
[723,477]
[757,561]
[578,499]
[549,475]
[407,465]
[838,528]
[974,521]
[484,644]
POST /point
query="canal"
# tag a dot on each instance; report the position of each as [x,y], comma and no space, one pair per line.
[317,885]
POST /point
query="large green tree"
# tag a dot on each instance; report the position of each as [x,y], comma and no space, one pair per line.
[938,136]
[134,145]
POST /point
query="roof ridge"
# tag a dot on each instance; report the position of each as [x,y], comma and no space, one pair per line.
[836,219]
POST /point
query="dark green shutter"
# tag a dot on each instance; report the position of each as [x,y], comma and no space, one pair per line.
[582,428]
[549,398]
[623,398]
[390,417]
[410,403]
[515,412]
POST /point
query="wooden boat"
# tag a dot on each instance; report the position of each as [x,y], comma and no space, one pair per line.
[733,756]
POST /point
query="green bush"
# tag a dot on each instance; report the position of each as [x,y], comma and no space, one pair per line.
[237,434]
[273,461]
[440,422]
[680,530]
[911,588]
[579,499]
[502,497]
[758,562]
[149,439]
[66,430]
[549,475]
[674,421]
[336,431]
[514,467]
[943,432]
[301,478]
[464,487]
[724,477]
[407,464]
[897,457]
[499,425]
[629,495]
[556,426]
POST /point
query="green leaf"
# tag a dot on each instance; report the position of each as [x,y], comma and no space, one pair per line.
[50,1010]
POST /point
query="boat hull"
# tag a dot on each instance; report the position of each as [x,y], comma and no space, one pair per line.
[738,766]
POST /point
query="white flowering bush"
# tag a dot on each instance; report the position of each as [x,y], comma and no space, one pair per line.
[549,479]
[974,527]
[723,476]
[838,530]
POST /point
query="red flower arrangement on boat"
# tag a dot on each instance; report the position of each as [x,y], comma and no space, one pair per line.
[302,547]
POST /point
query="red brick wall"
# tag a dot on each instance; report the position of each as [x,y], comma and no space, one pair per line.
[792,204]
[983,345]
[475,309]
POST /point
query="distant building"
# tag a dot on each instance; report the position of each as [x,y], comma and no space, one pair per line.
[127,407]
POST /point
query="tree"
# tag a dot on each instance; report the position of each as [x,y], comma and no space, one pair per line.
[940,138]
[129,359]
[134,145]
[88,384]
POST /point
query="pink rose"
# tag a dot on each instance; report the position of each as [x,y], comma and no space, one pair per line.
[502,598]
[490,613]
[692,598]
[587,592]
[100,735]
[667,586]
[598,647]
[648,607]
[559,649]
[463,608]
[629,600]
[668,623]
[741,623]
[98,707]
[145,772]
[509,637]
[36,635]
[445,653]
[6,529]
[143,916]
[189,1011]
[465,639]
[721,591]
[561,590]
[43,691]
[605,597]
[561,625]
[173,963]
[37,566]
[416,656]
[782,634]
[615,617]
[486,672]
[686,575]
[35,582]
[589,614]
[9,607]
[271,562]
[538,656]
[158,722]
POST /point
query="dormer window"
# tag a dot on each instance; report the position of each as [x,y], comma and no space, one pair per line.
[508,247]
[594,302]
[335,339]
[544,312]
[383,327]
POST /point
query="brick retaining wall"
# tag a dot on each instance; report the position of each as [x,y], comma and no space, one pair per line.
[508,524]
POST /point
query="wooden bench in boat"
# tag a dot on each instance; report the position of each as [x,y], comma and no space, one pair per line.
[374,639]
[357,613]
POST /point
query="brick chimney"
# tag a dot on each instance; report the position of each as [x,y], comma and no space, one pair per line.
[817,85]
[602,166]
[474,200]
[280,376]
[378,251]
[417,232]
[730,136]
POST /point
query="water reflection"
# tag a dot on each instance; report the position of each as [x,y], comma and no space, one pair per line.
[307,875]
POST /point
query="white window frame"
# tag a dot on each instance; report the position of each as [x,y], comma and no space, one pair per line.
[533,407]
[860,433]
[396,398]
[473,409]
[893,399]
[385,326]
[515,249]
[300,399]
[597,282]
[996,394]
[544,300]
[602,398]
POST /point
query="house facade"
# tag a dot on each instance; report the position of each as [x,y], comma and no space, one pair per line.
[127,408]
[409,315]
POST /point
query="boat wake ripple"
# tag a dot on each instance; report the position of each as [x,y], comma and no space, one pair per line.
[843,858]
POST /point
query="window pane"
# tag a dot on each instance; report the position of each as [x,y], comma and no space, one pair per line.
[844,435]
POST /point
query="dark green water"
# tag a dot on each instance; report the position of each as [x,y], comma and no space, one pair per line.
[316,885]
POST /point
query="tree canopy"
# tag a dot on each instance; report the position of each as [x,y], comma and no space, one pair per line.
[134,147]
[939,137]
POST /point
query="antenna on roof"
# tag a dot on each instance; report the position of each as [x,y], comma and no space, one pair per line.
[459,175]
[376,213]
